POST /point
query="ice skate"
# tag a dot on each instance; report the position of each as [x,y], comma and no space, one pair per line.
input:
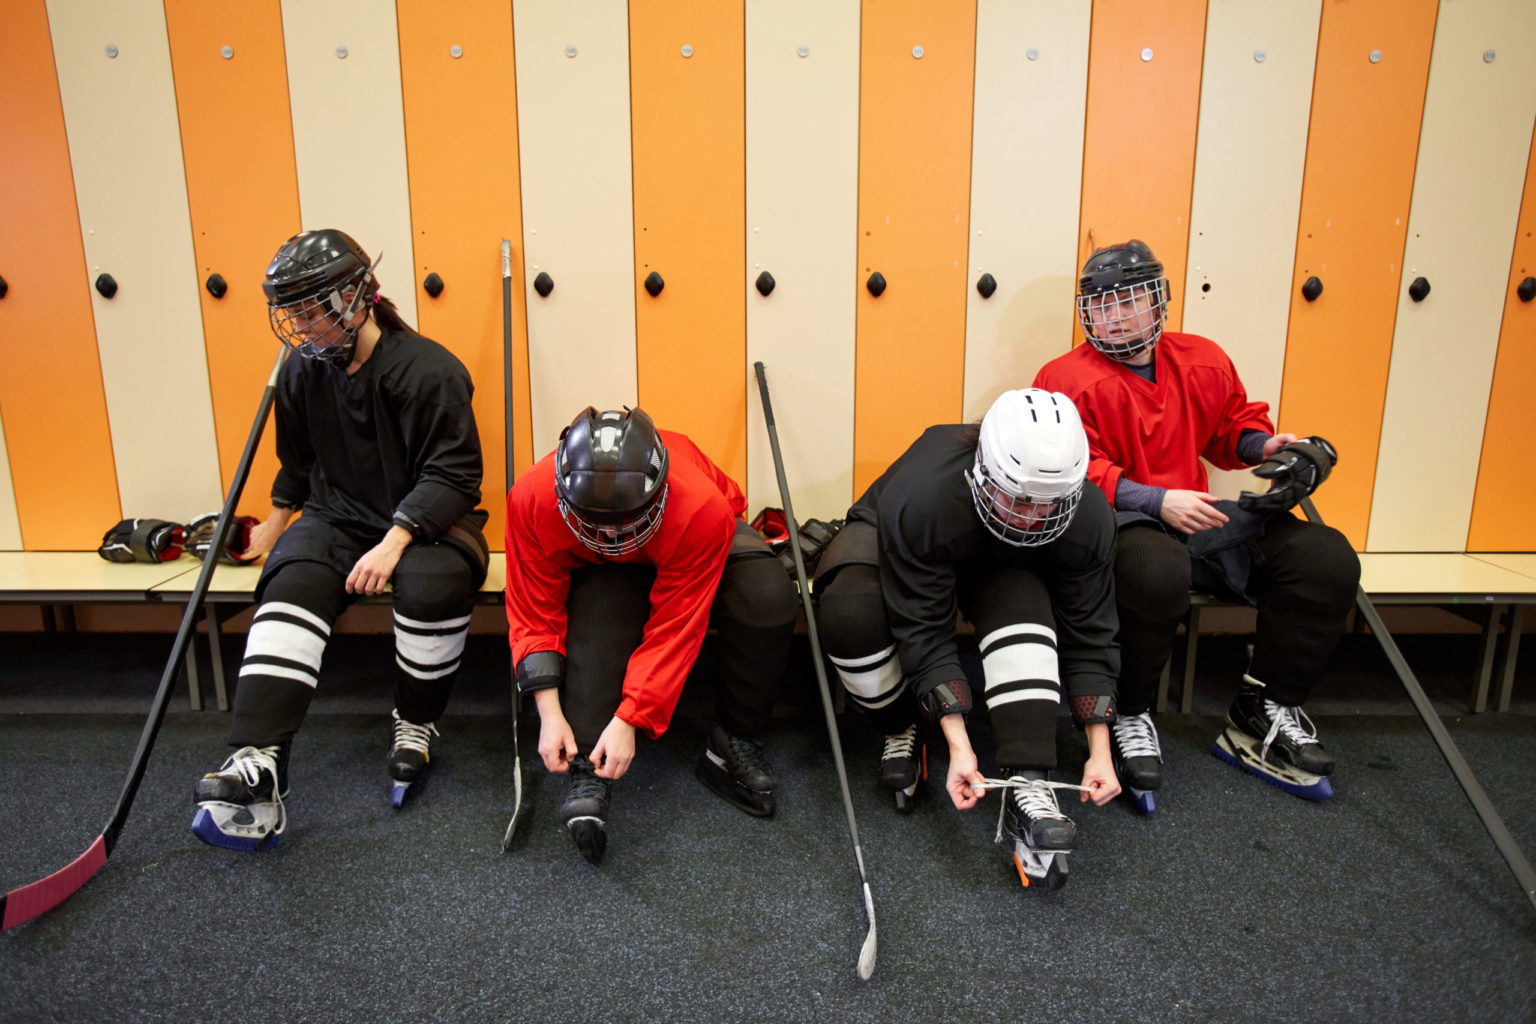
[409,756]
[903,762]
[1276,743]
[1042,836]
[585,811]
[735,768]
[1138,758]
[240,806]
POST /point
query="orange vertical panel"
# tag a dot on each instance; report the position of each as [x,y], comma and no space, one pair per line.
[1361,148]
[1506,491]
[51,396]
[466,196]
[1144,61]
[916,83]
[688,131]
[243,195]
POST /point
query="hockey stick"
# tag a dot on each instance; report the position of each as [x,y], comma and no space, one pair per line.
[1479,799]
[867,953]
[506,362]
[23,904]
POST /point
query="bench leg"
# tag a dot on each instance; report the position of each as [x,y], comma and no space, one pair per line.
[194,687]
[1191,640]
[1511,655]
[1485,658]
[216,657]
[1162,687]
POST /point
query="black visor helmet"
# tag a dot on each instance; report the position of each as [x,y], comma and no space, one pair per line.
[611,479]
[1122,300]
[314,286]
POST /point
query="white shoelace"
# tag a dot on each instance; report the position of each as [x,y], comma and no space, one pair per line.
[410,736]
[1035,797]
[250,762]
[1289,721]
[900,744]
[1137,736]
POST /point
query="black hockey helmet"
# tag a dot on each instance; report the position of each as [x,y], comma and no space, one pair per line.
[1122,299]
[307,287]
[611,479]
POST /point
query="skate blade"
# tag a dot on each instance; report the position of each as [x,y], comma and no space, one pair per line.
[1040,869]
[719,782]
[206,828]
[1282,776]
[590,838]
[1146,801]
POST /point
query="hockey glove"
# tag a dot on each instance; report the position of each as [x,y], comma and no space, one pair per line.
[1295,471]
[143,540]
[237,539]
[951,698]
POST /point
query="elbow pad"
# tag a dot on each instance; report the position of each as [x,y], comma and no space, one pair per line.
[541,670]
[951,698]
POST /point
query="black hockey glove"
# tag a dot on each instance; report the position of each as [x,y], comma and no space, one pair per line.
[1296,471]
[237,539]
[951,698]
[143,540]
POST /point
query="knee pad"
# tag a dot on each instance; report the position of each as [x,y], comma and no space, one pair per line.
[850,613]
[1152,574]
[755,590]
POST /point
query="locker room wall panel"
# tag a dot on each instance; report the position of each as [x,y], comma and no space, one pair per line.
[130,187]
[688,121]
[1252,144]
[914,193]
[1351,231]
[1139,135]
[461,149]
[1026,182]
[349,132]
[1506,490]
[58,494]
[242,194]
[578,226]
[802,201]
[1473,149]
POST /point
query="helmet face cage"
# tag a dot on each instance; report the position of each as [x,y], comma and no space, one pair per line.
[617,538]
[1019,519]
[319,324]
[1124,321]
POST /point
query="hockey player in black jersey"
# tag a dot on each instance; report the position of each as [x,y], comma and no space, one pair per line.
[992,521]
[379,449]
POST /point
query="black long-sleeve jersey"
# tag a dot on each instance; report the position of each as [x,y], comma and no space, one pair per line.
[929,529]
[395,443]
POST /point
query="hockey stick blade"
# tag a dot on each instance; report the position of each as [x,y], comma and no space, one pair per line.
[1497,831]
[867,953]
[506,367]
[27,902]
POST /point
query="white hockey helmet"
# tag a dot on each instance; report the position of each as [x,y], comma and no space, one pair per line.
[1031,463]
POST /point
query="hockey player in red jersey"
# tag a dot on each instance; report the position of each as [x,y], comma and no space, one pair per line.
[1155,403]
[623,546]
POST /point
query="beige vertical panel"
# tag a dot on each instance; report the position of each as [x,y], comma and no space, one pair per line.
[1251,147]
[349,132]
[10,522]
[802,206]
[578,220]
[1026,184]
[125,150]
[1473,148]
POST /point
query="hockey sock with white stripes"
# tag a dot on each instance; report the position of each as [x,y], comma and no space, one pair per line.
[1023,693]
[427,655]
[857,638]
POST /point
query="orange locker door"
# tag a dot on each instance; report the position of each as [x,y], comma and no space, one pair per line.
[1372,65]
[915,92]
[687,78]
[51,398]
[222,54]
[456,72]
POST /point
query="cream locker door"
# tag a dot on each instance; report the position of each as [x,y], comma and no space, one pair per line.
[1252,144]
[802,206]
[349,132]
[1026,186]
[1473,148]
[578,221]
[10,522]
[114,68]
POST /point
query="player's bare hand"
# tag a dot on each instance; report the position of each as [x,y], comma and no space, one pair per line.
[615,750]
[557,744]
[1275,443]
[372,572]
[1191,511]
[1099,779]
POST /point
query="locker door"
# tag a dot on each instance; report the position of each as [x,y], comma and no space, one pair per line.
[802,205]
[1026,181]
[1254,100]
[915,89]
[242,193]
[1473,151]
[54,390]
[687,76]
[1372,64]
[349,132]
[458,84]
[1139,142]
[573,136]
[1501,508]
[130,186]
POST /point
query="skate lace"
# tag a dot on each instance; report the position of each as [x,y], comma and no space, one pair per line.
[1293,723]
[410,736]
[249,763]
[586,784]
[1137,736]
[901,744]
[747,753]
[1035,797]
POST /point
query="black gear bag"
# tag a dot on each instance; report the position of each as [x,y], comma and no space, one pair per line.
[815,535]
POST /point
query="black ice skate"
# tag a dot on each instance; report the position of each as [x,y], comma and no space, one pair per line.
[735,768]
[1138,758]
[409,756]
[585,811]
[1042,836]
[903,762]
[1276,743]
[240,806]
